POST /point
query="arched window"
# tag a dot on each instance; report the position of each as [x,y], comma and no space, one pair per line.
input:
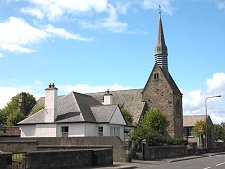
[156,76]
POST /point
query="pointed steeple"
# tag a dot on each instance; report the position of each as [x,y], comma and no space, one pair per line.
[161,49]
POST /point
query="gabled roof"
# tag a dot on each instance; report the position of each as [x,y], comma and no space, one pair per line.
[131,100]
[167,76]
[189,121]
[74,107]
[36,118]
[103,113]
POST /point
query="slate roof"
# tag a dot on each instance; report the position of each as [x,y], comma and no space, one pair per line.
[76,107]
[189,121]
[103,114]
[131,100]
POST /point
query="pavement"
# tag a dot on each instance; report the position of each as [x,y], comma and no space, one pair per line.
[140,163]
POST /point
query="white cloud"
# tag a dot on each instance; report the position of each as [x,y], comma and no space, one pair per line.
[154,4]
[84,88]
[1,55]
[33,12]
[62,33]
[216,84]
[54,9]
[21,39]
[110,23]
[26,37]
[7,93]
[194,101]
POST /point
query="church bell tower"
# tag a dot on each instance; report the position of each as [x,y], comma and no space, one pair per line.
[161,92]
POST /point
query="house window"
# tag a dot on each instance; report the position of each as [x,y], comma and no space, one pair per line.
[114,131]
[100,131]
[156,76]
[189,132]
[65,131]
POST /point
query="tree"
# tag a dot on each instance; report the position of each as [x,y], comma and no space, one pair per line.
[219,131]
[200,128]
[2,119]
[128,117]
[11,111]
[14,117]
[152,128]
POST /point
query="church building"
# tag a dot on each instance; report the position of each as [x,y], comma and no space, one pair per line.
[160,92]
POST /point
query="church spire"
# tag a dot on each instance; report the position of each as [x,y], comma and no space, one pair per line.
[161,49]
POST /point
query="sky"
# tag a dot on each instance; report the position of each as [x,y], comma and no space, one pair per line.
[95,45]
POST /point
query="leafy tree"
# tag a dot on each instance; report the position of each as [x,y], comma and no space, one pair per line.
[128,117]
[14,117]
[11,113]
[2,119]
[152,128]
[200,128]
[219,131]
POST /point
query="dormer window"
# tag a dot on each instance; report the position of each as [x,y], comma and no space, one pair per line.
[156,76]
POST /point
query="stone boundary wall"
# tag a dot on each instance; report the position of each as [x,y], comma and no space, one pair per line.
[120,152]
[62,159]
[160,152]
[18,145]
[5,160]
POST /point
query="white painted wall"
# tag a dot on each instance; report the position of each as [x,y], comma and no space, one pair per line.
[28,130]
[117,118]
[91,129]
[46,130]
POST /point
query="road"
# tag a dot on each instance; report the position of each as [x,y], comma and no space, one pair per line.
[208,162]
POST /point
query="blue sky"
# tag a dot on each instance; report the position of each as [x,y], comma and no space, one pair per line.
[95,45]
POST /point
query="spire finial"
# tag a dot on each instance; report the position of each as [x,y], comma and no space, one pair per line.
[160,9]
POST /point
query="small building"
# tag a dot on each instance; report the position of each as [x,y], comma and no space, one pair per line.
[189,123]
[74,115]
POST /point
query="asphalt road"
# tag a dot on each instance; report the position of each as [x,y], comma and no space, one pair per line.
[207,162]
[210,162]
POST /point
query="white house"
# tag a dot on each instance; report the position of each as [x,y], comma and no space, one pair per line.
[74,115]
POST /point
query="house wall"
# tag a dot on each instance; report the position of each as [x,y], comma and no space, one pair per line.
[91,129]
[28,130]
[107,131]
[46,130]
[75,130]
[117,117]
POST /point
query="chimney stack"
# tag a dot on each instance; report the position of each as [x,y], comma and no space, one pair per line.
[51,103]
[107,98]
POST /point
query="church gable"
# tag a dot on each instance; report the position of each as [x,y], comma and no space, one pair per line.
[157,82]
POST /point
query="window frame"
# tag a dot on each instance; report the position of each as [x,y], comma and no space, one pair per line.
[100,130]
[65,133]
